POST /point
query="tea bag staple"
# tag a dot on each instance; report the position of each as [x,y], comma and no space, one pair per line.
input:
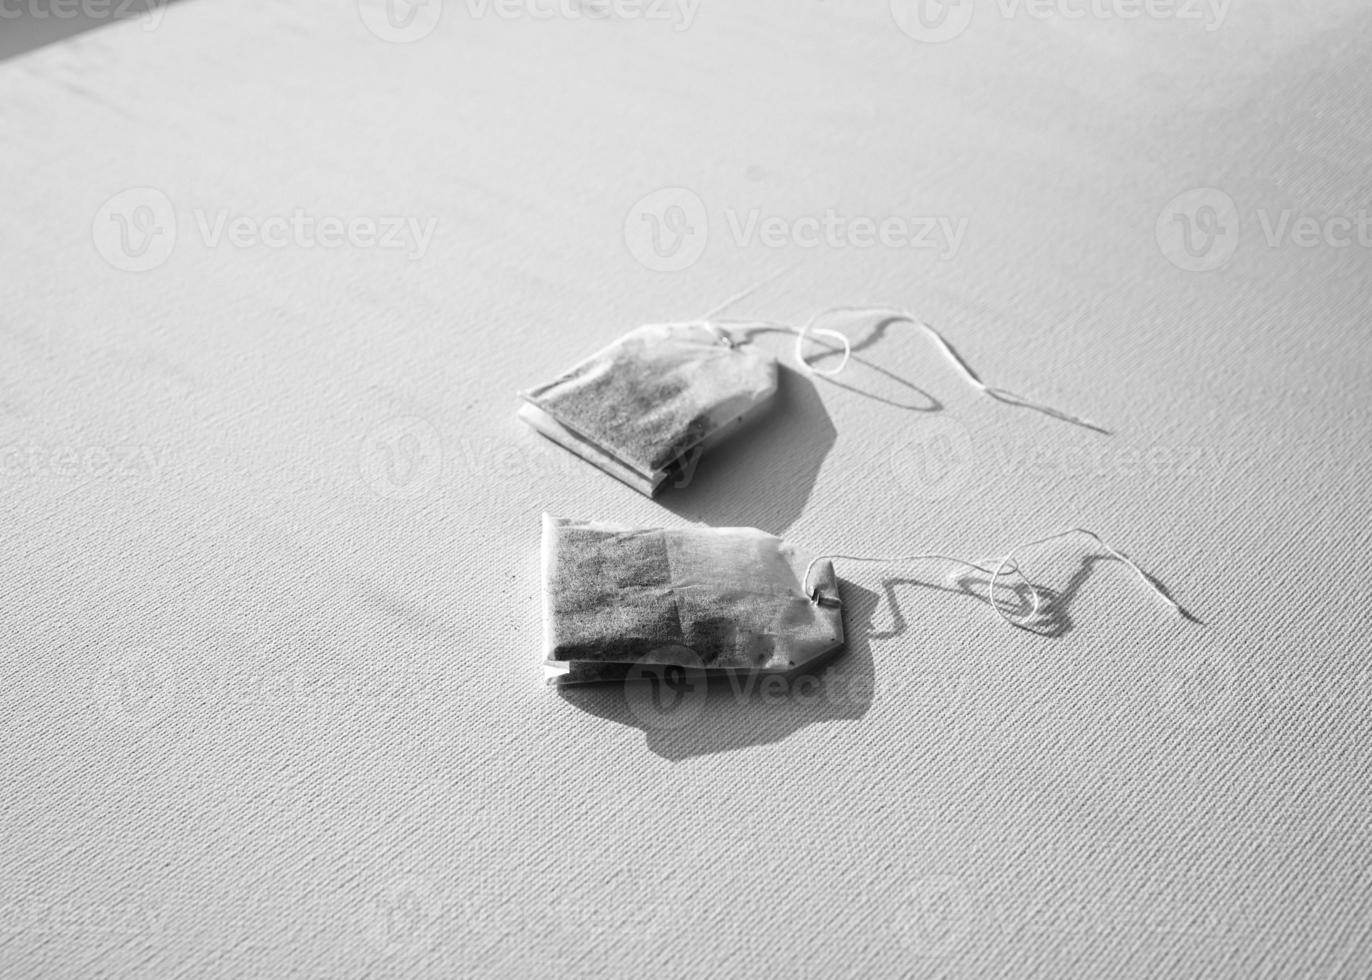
[651,399]
[715,599]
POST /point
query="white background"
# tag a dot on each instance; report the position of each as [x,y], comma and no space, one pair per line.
[271,696]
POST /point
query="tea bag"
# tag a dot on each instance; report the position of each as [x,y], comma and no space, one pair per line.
[652,400]
[714,599]
[731,599]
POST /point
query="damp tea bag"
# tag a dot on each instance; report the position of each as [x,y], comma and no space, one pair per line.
[712,599]
[652,401]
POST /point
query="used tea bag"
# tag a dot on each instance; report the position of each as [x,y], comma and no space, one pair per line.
[715,599]
[652,401]
[735,600]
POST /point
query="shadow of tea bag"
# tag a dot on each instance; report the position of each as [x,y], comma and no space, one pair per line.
[652,401]
[712,599]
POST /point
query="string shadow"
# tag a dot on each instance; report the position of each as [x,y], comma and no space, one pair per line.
[763,475]
[921,400]
[1058,602]
[735,713]
[877,332]
[1015,597]
[1048,615]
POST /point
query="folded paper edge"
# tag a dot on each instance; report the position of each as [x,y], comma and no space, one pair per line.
[557,433]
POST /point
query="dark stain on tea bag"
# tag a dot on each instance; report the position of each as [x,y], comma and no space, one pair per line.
[693,432]
[656,393]
[611,593]
[728,598]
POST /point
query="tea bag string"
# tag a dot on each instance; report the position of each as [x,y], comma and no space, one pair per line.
[716,327]
[999,394]
[1003,565]
[1120,556]
[815,597]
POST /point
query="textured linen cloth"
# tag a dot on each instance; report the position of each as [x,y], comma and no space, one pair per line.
[270,685]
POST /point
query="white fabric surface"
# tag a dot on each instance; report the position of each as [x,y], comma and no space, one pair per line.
[272,697]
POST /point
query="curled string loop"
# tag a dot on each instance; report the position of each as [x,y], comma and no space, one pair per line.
[949,353]
[1144,577]
[1002,566]
[708,322]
